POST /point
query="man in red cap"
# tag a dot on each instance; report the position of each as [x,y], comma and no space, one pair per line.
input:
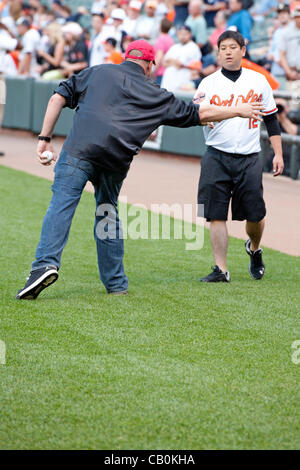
[117,107]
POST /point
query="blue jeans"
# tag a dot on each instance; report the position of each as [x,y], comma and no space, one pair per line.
[71,176]
[181,14]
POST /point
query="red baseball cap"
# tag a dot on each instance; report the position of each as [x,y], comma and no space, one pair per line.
[144,47]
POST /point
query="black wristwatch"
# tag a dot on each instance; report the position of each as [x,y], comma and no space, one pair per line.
[42,137]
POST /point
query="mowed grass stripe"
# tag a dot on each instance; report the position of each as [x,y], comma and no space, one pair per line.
[173,365]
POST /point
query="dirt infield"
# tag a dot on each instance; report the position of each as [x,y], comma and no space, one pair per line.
[161,178]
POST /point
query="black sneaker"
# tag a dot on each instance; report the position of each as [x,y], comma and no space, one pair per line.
[256,266]
[217,276]
[38,280]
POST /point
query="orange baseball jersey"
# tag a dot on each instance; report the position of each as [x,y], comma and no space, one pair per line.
[236,135]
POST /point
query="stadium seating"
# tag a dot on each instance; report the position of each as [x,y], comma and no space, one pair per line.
[18,115]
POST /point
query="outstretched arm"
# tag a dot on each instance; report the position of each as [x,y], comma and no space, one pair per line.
[181,114]
[209,112]
[55,105]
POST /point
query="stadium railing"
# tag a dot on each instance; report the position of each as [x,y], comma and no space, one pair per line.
[292,140]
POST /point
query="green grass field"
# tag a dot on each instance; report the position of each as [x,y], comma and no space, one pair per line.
[173,365]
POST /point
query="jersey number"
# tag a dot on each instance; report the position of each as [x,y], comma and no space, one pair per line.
[252,123]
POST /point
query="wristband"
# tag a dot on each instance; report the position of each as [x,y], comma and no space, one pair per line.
[42,137]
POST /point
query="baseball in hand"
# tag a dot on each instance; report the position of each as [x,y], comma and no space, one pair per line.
[47,156]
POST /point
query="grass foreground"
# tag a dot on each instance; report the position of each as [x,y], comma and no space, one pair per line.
[175,364]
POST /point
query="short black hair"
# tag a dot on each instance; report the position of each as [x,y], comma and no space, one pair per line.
[99,13]
[283,7]
[232,35]
[111,41]
[185,27]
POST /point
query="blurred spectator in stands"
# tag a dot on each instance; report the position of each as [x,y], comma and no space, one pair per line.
[161,46]
[30,43]
[42,17]
[196,22]
[15,10]
[248,4]
[7,65]
[211,8]
[81,11]
[198,27]
[59,11]
[283,19]
[170,15]
[112,55]
[124,4]
[31,11]
[148,23]
[290,56]
[181,12]
[109,7]
[64,12]
[286,124]
[87,37]
[76,52]
[220,21]
[130,22]
[240,18]
[97,52]
[114,27]
[51,56]
[49,16]
[4,8]
[177,60]
[98,6]
[126,41]
[263,8]
[162,9]
[293,4]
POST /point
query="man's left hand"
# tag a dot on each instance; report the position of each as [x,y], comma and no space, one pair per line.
[278,165]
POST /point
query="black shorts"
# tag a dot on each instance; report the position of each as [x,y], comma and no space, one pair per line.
[226,175]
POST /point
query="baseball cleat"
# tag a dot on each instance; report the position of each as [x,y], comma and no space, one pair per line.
[216,276]
[256,265]
[38,280]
